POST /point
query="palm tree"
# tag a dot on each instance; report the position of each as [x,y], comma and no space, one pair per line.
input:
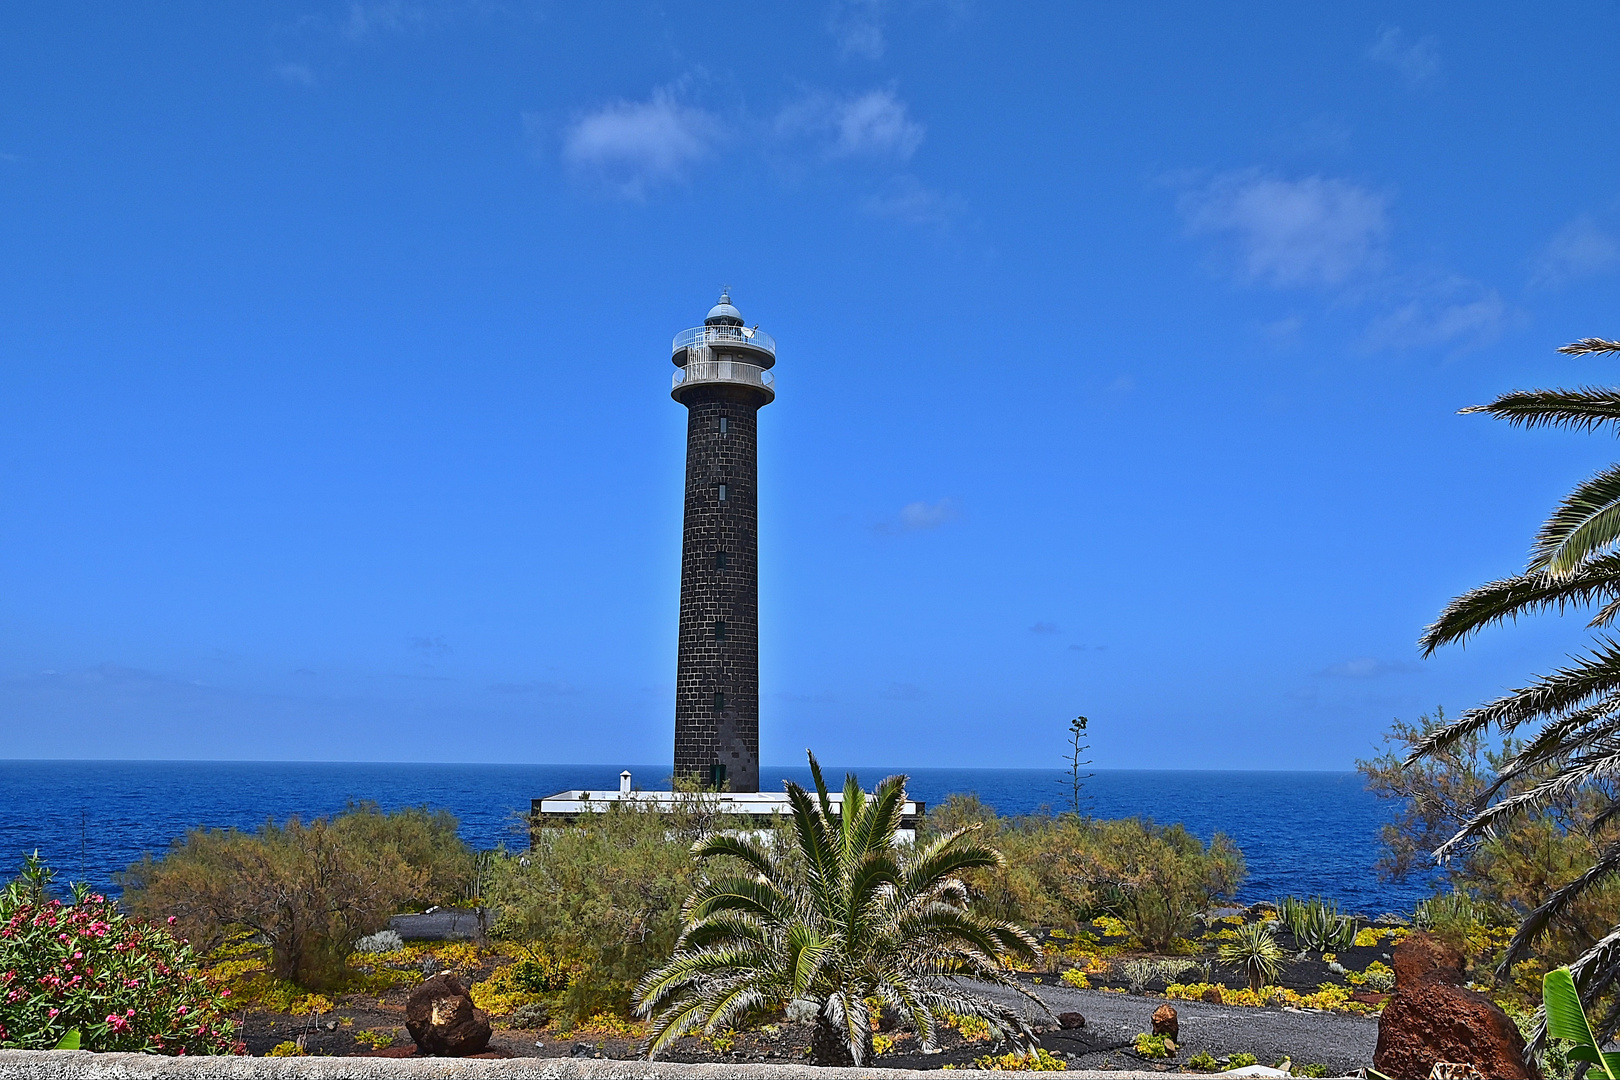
[837,917]
[1574,563]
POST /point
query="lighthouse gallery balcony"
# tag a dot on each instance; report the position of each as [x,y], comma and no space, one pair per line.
[724,354]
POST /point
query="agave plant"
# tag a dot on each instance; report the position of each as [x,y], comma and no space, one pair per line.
[1256,951]
[1574,564]
[1316,923]
[840,916]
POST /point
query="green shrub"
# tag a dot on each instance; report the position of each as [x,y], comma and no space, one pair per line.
[1152,1046]
[1240,1061]
[1203,1060]
[602,897]
[1064,871]
[308,892]
[120,983]
[1255,950]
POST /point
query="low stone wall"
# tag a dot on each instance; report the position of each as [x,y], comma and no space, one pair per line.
[82,1065]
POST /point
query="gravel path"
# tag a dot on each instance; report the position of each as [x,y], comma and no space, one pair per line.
[1342,1042]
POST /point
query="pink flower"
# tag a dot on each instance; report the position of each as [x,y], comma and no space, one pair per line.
[78,956]
[224,993]
[117,1023]
[52,1013]
[182,1010]
[171,920]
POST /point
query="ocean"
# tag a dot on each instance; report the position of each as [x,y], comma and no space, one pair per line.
[1305,833]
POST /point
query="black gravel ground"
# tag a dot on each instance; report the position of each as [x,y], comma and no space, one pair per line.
[1341,1042]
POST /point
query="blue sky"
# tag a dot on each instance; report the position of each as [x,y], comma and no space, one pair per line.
[1120,348]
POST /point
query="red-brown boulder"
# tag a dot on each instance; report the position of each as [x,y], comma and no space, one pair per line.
[1431,1018]
[1069,1021]
[440,1016]
[1165,1022]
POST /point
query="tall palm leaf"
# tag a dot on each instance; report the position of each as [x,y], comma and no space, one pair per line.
[1574,563]
[843,917]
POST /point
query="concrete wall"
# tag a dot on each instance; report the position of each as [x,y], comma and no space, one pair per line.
[81,1065]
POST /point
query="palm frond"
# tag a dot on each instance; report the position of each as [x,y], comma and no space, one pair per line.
[1536,923]
[1567,688]
[1594,580]
[743,848]
[1584,524]
[1582,409]
[1588,346]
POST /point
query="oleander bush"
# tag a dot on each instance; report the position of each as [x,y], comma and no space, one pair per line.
[1063,871]
[306,892]
[121,983]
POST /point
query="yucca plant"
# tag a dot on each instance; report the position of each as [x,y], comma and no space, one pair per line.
[840,915]
[1574,563]
[1256,951]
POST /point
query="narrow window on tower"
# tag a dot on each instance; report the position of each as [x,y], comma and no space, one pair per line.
[722,425]
[722,493]
[719,700]
[717,776]
[719,629]
[719,560]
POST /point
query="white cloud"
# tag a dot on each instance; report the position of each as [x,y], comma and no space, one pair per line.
[906,199]
[1045,628]
[633,146]
[920,516]
[858,26]
[297,74]
[383,15]
[1367,667]
[1416,61]
[1580,249]
[876,124]
[1315,231]
[1444,310]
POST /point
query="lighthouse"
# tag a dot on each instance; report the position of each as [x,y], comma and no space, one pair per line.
[723,377]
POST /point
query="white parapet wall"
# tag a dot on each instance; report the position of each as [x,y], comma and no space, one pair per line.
[752,810]
[82,1065]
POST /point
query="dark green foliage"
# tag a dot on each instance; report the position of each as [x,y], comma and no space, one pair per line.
[307,891]
[837,919]
[602,897]
[1060,872]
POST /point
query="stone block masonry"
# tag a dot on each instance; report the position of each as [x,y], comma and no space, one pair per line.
[717,665]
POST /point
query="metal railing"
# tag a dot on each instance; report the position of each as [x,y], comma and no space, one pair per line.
[733,371]
[720,336]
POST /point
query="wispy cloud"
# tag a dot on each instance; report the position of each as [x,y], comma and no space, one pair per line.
[906,199]
[429,646]
[822,698]
[1580,249]
[535,687]
[874,124]
[1088,648]
[1367,667]
[921,516]
[1444,309]
[296,74]
[366,17]
[904,691]
[1045,628]
[857,25]
[1290,233]
[631,147]
[1416,61]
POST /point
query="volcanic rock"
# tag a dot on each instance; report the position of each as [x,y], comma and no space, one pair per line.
[1165,1022]
[440,1016]
[1432,1018]
[1069,1021]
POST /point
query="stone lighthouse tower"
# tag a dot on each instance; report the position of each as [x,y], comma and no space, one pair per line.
[723,380]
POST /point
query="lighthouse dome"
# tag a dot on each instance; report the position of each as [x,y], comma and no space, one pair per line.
[723,313]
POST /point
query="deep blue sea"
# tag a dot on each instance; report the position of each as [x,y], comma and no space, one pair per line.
[1304,833]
